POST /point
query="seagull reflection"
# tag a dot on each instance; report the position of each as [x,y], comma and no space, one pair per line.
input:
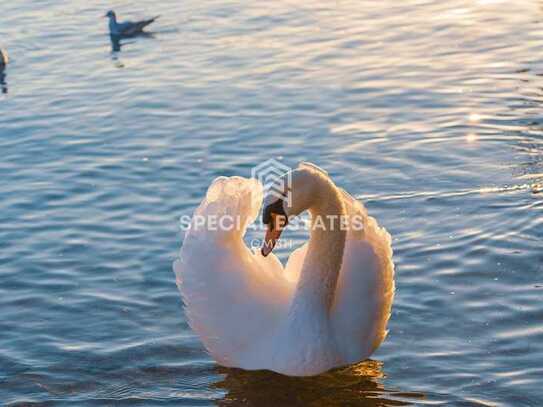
[115,43]
[115,49]
[119,41]
[354,385]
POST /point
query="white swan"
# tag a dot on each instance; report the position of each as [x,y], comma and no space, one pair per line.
[328,307]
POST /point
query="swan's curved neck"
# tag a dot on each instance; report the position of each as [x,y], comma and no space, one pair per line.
[318,279]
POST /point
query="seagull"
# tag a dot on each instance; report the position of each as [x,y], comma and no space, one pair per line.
[127,28]
[4,59]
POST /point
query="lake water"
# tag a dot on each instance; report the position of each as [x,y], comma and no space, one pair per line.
[428,111]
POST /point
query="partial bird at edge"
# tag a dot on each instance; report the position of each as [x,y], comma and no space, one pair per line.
[4,59]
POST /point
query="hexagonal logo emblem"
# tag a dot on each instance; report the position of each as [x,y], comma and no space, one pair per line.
[271,174]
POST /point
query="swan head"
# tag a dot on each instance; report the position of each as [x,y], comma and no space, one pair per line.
[275,217]
[294,192]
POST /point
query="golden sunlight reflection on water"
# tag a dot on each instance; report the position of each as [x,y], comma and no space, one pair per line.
[354,385]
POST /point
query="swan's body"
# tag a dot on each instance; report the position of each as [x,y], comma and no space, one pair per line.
[328,307]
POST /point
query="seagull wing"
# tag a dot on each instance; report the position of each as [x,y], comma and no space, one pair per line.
[131,28]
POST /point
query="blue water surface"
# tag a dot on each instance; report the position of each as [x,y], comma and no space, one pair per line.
[428,111]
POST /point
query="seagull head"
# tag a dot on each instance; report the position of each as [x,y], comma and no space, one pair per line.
[110,14]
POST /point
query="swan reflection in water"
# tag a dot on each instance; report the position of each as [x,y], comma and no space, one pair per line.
[353,385]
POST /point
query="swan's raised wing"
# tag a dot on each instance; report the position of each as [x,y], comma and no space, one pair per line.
[233,297]
[365,289]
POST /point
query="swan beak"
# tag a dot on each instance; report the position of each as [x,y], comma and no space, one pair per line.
[273,233]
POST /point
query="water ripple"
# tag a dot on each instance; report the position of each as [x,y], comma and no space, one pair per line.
[427,111]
